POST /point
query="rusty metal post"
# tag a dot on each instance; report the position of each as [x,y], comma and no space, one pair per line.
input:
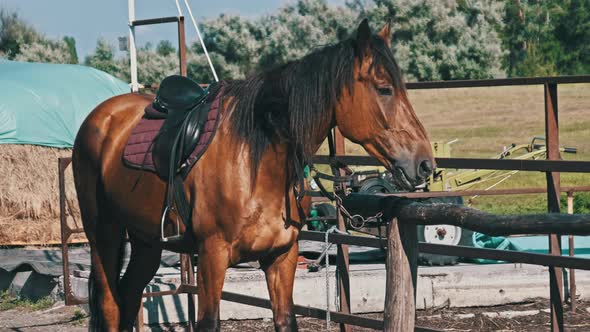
[553,192]
[181,46]
[342,258]
[191,297]
[570,210]
[62,163]
[186,276]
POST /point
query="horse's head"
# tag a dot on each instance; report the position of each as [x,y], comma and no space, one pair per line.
[377,114]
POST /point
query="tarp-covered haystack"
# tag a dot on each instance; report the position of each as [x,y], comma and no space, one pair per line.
[41,108]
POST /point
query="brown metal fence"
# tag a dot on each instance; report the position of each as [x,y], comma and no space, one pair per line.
[552,167]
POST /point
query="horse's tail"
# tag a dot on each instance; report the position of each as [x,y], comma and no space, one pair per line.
[97,321]
[105,235]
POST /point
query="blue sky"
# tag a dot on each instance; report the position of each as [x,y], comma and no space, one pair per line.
[88,20]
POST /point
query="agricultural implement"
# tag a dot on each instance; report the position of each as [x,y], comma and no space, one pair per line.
[378,181]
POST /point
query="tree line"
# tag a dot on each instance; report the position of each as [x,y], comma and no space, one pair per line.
[432,39]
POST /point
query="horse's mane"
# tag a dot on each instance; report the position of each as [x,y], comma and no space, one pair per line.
[289,103]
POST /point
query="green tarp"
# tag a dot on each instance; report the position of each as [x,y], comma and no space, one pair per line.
[45,104]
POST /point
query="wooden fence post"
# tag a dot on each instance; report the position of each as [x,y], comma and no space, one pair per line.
[400,308]
[342,258]
[553,193]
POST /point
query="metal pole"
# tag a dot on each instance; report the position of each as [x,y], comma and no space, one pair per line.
[570,210]
[553,191]
[190,13]
[132,50]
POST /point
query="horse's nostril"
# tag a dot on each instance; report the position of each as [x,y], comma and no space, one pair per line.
[425,169]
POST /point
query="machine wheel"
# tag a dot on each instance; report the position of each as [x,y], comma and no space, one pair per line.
[325,210]
[376,185]
[443,234]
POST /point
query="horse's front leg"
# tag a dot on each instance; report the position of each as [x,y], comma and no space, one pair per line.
[212,264]
[280,276]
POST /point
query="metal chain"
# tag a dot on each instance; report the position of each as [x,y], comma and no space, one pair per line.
[356,221]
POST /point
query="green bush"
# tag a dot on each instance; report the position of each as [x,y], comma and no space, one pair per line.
[581,202]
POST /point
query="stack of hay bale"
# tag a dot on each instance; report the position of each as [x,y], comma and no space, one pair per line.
[41,108]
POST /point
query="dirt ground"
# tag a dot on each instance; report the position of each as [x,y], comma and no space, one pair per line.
[70,319]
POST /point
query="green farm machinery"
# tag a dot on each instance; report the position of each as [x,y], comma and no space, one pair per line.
[379,181]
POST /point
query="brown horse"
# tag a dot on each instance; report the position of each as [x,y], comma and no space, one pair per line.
[271,123]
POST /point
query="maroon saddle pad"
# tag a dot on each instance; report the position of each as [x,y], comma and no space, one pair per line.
[137,153]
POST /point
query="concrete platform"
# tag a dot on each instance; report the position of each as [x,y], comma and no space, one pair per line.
[456,286]
[35,274]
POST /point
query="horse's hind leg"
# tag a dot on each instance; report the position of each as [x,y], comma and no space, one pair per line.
[143,264]
[280,277]
[105,237]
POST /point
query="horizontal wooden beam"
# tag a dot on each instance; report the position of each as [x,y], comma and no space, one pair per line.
[461,251]
[479,163]
[499,82]
[159,20]
[412,211]
[492,224]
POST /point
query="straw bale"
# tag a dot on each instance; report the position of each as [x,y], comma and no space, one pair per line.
[29,194]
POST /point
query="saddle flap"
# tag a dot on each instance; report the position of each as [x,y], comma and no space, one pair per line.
[177,139]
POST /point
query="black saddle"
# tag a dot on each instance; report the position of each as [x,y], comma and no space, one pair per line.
[183,105]
[181,101]
[178,94]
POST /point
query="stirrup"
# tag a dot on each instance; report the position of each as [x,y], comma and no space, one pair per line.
[165,214]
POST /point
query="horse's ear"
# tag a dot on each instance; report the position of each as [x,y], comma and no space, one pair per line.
[363,35]
[385,34]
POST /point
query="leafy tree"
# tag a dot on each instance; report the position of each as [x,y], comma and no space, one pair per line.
[234,44]
[15,32]
[20,41]
[103,59]
[71,45]
[441,40]
[39,51]
[300,27]
[198,67]
[152,67]
[572,31]
[239,45]
[165,48]
[547,37]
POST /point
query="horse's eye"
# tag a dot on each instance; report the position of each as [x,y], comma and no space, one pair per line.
[386,91]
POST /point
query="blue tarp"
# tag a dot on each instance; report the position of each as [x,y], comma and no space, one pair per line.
[45,104]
